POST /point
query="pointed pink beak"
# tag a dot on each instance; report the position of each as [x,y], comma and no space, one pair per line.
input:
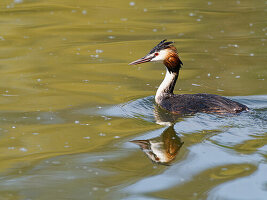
[141,60]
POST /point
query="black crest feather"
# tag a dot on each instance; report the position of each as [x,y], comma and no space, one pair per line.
[162,45]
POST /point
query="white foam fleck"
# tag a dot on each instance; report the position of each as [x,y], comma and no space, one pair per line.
[84,12]
[195,84]
[18,1]
[23,149]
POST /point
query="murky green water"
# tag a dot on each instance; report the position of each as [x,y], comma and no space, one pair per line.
[70,104]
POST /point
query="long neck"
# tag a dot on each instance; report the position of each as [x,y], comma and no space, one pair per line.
[167,85]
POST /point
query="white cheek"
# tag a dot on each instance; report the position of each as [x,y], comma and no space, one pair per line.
[162,55]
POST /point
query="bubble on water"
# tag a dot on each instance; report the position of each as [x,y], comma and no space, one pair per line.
[145,9]
[38,118]
[13,126]
[132,3]
[111,37]
[102,134]
[198,20]
[76,122]
[84,12]
[87,137]
[99,51]
[39,80]
[237,76]
[252,54]
[116,136]
[23,149]
[35,133]
[155,30]
[209,3]
[250,24]
[124,19]
[208,74]
[18,1]
[94,56]
[195,84]
[85,124]
[217,77]
[55,162]
[192,14]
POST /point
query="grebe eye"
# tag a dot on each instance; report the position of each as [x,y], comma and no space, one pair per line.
[156,54]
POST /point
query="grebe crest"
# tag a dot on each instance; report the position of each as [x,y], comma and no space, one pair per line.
[165,52]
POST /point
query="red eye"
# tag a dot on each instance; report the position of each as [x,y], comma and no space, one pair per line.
[156,54]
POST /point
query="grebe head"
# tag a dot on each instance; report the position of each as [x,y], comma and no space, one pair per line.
[165,52]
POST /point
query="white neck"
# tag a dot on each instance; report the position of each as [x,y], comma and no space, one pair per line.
[167,85]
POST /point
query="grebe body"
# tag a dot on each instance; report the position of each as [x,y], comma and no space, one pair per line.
[184,103]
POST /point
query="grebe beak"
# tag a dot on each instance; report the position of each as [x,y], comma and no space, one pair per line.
[142,60]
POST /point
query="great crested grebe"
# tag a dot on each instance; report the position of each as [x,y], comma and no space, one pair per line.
[184,103]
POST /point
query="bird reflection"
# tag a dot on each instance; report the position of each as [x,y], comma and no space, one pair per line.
[166,118]
[162,149]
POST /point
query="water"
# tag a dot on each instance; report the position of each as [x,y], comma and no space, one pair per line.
[70,104]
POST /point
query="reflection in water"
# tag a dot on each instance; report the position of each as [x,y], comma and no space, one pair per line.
[162,149]
[164,117]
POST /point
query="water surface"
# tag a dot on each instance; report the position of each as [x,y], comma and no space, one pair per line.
[70,104]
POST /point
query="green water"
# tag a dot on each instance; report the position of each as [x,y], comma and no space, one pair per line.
[70,103]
